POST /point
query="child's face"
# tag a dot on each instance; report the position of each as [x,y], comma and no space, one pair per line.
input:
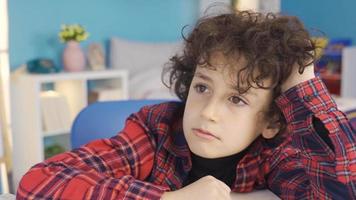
[213,106]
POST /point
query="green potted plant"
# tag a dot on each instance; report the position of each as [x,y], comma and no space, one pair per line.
[73,57]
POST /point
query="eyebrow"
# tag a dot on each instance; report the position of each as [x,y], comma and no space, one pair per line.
[202,76]
[207,78]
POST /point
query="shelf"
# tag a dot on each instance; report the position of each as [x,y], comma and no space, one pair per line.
[56,144]
[56,133]
[331,77]
[332,82]
[89,74]
[31,135]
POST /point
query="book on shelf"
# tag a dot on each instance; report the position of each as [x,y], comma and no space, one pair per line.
[55,112]
[330,64]
[104,94]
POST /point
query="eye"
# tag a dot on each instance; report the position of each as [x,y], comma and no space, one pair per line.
[237,100]
[200,88]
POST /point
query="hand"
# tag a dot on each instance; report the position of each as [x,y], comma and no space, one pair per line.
[295,78]
[206,188]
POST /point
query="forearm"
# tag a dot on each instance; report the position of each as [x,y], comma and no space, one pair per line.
[309,100]
[109,168]
[326,162]
[61,182]
[297,78]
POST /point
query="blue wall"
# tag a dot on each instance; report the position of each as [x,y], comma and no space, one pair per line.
[335,18]
[34,24]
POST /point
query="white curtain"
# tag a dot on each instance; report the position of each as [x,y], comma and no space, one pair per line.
[5,131]
[205,5]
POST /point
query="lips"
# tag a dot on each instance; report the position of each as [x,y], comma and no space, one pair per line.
[204,134]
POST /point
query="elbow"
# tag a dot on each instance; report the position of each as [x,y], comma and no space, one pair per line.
[31,183]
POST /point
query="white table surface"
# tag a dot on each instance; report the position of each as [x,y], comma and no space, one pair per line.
[7,197]
[255,195]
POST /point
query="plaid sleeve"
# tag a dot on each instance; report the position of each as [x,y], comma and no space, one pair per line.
[104,169]
[316,171]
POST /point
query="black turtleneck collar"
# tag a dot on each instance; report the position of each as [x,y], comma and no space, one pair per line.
[223,168]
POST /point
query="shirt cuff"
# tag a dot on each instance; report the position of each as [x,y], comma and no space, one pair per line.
[309,97]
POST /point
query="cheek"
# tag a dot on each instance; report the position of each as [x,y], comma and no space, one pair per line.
[242,131]
[240,140]
[192,105]
[188,115]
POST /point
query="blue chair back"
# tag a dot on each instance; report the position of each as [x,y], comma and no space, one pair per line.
[104,119]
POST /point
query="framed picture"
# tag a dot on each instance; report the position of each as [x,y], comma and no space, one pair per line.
[96,57]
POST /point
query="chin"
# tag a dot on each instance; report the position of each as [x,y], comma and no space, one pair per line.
[213,154]
[205,154]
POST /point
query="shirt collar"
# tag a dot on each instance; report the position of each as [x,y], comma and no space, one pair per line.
[177,145]
[249,166]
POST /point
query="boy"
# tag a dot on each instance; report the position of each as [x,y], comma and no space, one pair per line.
[252,115]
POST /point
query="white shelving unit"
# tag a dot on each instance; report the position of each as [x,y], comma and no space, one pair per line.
[28,132]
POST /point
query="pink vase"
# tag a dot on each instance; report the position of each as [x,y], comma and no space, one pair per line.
[73,57]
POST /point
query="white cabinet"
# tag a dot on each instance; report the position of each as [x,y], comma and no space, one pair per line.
[28,133]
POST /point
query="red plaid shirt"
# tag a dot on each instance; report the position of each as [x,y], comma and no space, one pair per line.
[150,156]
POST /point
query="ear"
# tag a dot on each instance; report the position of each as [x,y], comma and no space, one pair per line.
[271,130]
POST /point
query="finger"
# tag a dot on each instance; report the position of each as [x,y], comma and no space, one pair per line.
[220,184]
[224,195]
[224,186]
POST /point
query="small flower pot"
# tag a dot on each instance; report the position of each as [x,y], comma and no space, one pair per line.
[73,57]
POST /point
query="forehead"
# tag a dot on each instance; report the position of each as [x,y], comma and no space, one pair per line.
[229,66]
[232,68]
[220,61]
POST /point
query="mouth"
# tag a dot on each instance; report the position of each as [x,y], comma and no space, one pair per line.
[204,134]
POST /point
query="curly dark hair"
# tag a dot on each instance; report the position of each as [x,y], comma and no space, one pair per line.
[272,45]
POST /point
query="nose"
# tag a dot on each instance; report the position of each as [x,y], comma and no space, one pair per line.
[210,110]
